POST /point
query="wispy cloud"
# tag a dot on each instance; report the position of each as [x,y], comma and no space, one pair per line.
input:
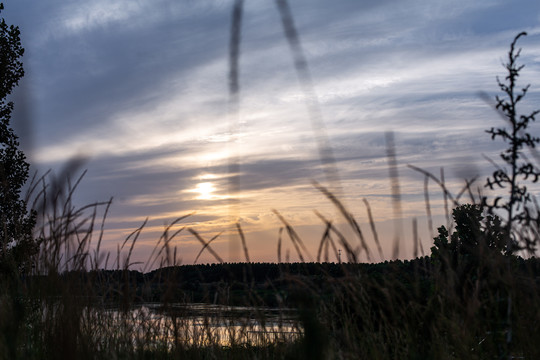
[141,87]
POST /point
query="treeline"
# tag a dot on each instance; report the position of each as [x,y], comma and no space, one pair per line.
[269,284]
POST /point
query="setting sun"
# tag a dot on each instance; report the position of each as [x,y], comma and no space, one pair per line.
[205,191]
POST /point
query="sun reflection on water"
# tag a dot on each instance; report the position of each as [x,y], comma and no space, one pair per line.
[202,325]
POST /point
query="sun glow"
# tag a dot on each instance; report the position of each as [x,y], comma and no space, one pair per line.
[205,191]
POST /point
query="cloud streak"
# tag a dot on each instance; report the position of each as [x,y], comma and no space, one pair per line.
[141,87]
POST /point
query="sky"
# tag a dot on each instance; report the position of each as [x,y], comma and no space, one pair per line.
[139,89]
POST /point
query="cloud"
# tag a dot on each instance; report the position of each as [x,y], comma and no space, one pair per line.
[78,17]
[141,87]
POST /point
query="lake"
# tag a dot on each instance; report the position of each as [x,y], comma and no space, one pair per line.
[153,324]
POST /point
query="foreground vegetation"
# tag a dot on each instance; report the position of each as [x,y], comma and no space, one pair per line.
[431,307]
[463,301]
[475,296]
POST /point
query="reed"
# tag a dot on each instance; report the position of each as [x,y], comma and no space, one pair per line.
[439,306]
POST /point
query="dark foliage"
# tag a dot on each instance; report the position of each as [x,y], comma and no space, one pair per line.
[16,241]
[518,205]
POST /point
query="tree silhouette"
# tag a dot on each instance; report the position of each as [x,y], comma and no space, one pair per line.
[16,226]
[474,238]
[518,204]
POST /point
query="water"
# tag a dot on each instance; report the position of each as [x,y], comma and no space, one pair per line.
[152,325]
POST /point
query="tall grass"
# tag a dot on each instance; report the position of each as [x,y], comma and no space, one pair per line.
[66,307]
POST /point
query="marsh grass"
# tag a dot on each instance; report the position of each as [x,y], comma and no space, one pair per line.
[67,307]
